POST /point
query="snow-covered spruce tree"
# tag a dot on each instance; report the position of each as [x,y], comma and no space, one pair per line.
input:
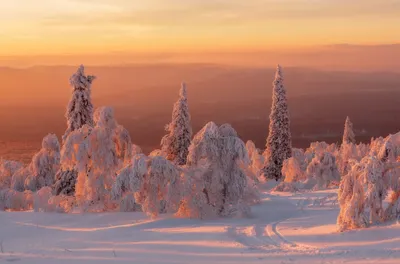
[223,182]
[279,143]
[176,143]
[80,108]
[65,182]
[44,164]
[79,113]
[348,134]
[348,149]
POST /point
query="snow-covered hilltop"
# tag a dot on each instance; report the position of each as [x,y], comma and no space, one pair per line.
[283,205]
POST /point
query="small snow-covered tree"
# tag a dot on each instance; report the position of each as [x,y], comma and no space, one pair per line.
[7,170]
[347,152]
[291,170]
[348,134]
[19,177]
[362,192]
[279,143]
[128,182]
[351,200]
[160,190]
[14,200]
[44,164]
[373,175]
[176,143]
[323,170]
[80,108]
[224,181]
[300,156]
[256,158]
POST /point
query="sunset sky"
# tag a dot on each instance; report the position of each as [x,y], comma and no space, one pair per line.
[45,27]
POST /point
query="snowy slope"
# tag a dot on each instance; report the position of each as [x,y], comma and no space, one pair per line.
[284,228]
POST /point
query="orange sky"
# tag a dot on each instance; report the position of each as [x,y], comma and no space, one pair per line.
[54,27]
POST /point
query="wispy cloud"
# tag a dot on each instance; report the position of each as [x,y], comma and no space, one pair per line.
[233,22]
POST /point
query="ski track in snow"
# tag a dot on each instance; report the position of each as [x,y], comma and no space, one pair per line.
[284,228]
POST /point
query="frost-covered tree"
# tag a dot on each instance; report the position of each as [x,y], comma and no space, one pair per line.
[96,154]
[65,182]
[279,143]
[79,113]
[7,170]
[160,190]
[373,175]
[348,134]
[128,182]
[323,171]
[19,177]
[317,148]
[362,192]
[223,181]
[348,152]
[351,200]
[44,165]
[256,158]
[14,200]
[292,171]
[80,108]
[176,143]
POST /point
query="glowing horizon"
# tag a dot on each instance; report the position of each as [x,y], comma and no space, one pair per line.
[52,27]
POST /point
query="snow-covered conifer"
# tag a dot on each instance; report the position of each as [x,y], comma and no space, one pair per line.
[80,108]
[65,182]
[279,143]
[176,143]
[348,134]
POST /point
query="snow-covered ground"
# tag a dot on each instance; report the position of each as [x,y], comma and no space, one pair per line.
[284,228]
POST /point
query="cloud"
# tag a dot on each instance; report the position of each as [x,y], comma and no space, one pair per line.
[196,13]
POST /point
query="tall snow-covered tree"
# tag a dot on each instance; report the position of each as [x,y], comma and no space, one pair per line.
[348,134]
[80,108]
[176,143]
[279,142]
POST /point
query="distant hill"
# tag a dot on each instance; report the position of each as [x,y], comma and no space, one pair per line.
[34,100]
